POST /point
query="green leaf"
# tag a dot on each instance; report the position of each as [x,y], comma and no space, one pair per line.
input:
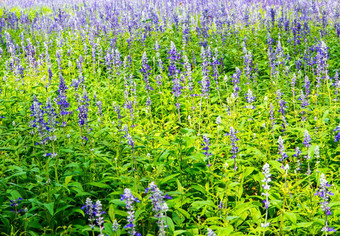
[68,179]
[50,207]
[168,178]
[179,232]
[112,212]
[291,217]
[62,208]
[99,185]
[14,194]
[170,224]
[304,224]
[183,212]
[138,213]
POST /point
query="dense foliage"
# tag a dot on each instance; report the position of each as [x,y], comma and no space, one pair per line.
[181,117]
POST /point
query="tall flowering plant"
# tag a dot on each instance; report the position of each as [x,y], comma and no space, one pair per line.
[324,193]
[129,199]
[159,206]
[266,188]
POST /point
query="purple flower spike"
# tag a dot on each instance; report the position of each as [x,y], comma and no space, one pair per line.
[325,194]
[266,188]
[129,200]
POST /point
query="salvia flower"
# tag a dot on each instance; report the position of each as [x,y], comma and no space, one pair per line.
[307,142]
[304,100]
[210,232]
[145,70]
[293,82]
[337,135]
[297,155]
[62,98]
[325,194]
[205,82]
[234,148]
[89,210]
[266,188]
[159,206]
[15,204]
[271,113]
[307,86]
[206,144]
[52,119]
[282,152]
[250,99]
[38,119]
[115,226]
[218,120]
[236,80]
[119,114]
[83,110]
[129,200]
[99,217]
[128,137]
[174,57]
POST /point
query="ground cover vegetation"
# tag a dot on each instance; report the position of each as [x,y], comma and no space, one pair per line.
[169,117]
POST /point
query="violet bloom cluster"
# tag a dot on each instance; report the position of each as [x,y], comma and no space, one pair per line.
[159,206]
[297,155]
[247,62]
[52,119]
[336,85]
[51,124]
[234,149]
[206,144]
[236,80]
[205,82]
[271,113]
[15,204]
[325,194]
[282,110]
[95,214]
[38,120]
[1,116]
[188,74]
[307,86]
[100,219]
[115,226]
[337,135]
[119,114]
[321,62]
[129,200]
[304,100]
[307,142]
[145,70]
[128,137]
[293,83]
[266,188]
[282,152]
[210,232]
[215,64]
[250,99]
[83,110]
[174,56]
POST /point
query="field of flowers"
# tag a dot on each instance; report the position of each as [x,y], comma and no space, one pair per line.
[169,117]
